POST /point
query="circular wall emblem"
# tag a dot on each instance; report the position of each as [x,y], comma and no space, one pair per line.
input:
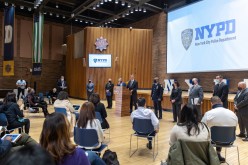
[8,68]
[101,43]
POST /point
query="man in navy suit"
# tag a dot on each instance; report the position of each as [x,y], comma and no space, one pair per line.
[132,86]
[221,90]
[120,83]
[61,84]
[157,97]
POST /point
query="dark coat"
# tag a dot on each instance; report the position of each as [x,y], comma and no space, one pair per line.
[101,109]
[222,90]
[241,101]
[110,87]
[12,112]
[157,92]
[176,94]
[133,87]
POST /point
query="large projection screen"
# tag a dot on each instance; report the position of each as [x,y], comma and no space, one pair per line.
[208,36]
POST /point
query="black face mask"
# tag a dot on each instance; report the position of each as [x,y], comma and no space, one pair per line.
[109,81]
[89,81]
[193,83]
[239,88]
[155,81]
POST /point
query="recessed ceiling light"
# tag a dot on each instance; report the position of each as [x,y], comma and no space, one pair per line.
[57,15]
[29,9]
[129,5]
[63,17]
[116,1]
[123,3]
[51,14]
[144,10]
[22,7]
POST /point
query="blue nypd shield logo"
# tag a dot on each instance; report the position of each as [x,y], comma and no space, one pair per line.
[95,60]
[186,37]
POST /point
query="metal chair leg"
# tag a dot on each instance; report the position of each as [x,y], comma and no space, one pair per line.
[131,154]
[238,154]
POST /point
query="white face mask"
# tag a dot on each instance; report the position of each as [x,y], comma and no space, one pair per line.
[62,79]
[217,81]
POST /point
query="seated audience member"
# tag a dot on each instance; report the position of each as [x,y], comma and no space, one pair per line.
[52,96]
[188,127]
[219,116]
[33,102]
[55,138]
[7,148]
[99,107]
[63,102]
[14,114]
[143,113]
[88,120]
[30,155]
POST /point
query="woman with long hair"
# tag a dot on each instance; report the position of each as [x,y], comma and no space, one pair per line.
[55,138]
[189,127]
[88,120]
[99,107]
[13,113]
[176,100]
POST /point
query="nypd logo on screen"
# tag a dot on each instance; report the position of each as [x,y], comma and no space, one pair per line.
[209,34]
[100,60]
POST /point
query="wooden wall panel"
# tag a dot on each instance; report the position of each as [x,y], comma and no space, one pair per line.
[133,49]
[26,33]
[57,41]
[46,35]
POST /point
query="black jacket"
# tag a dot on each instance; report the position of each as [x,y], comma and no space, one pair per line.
[133,87]
[241,101]
[176,94]
[110,87]
[101,109]
[221,90]
[157,92]
[12,112]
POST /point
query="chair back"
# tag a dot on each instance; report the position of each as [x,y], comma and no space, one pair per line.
[223,135]
[85,137]
[3,120]
[60,110]
[99,117]
[143,126]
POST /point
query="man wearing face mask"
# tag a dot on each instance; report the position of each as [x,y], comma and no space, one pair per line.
[157,97]
[196,96]
[221,90]
[241,108]
[61,84]
[89,88]
[121,83]
[109,92]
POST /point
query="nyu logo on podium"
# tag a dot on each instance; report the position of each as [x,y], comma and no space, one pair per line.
[168,85]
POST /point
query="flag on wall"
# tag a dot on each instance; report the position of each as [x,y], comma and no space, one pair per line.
[8,59]
[38,43]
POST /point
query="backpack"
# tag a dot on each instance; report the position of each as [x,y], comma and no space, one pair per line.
[110,158]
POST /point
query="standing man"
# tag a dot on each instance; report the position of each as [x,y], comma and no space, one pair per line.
[215,116]
[241,108]
[21,85]
[157,97]
[221,90]
[196,96]
[120,83]
[109,87]
[132,86]
[61,84]
[89,88]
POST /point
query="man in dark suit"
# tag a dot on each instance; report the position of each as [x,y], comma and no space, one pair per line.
[221,90]
[196,96]
[121,83]
[132,86]
[109,87]
[61,84]
[241,108]
[157,97]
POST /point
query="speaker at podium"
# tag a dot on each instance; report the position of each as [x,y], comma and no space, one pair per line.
[122,100]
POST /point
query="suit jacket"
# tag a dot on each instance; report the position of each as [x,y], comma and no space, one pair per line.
[59,84]
[241,100]
[122,84]
[157,92]
[196,91]
[133,86]
[90,87]
[176,94]
[110,87]
[221,90]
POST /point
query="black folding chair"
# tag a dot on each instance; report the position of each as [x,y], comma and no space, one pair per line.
[222,136]
[144,129]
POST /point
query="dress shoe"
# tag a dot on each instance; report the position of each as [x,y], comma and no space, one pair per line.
[241,135]
[245,139]
[174,121]
[149,145]
[222,160]
[160,118]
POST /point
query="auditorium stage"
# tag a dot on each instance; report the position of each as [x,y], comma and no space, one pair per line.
[121,128]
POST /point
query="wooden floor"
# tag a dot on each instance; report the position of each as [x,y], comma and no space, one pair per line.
[121,129]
